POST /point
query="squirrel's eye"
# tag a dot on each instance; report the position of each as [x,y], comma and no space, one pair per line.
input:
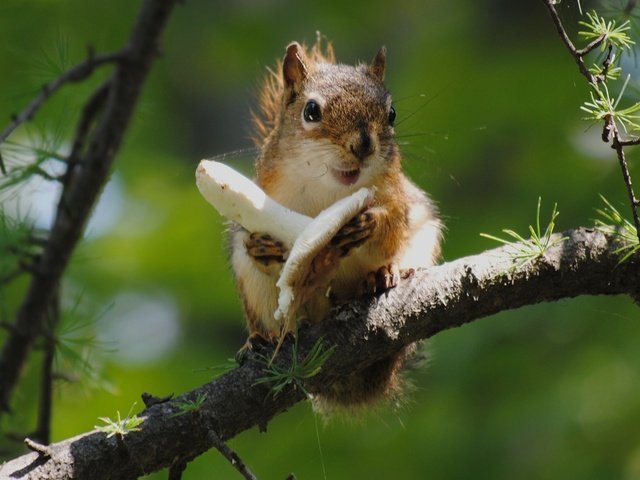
[312,112]
[392,116]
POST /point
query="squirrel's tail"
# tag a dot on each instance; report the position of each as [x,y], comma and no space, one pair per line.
[380,383]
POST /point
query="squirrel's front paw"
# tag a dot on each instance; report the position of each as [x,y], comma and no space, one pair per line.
[268,253]
[355,232]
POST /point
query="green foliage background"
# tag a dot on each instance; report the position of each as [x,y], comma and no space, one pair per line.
[488,108]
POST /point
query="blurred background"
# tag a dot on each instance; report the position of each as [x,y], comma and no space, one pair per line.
[488,115]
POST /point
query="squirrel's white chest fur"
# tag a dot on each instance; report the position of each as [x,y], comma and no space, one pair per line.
[306,183]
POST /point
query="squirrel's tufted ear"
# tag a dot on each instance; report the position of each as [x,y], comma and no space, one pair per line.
[294,70]
[379,62]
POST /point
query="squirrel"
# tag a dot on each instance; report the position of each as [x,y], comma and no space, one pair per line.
[324,131]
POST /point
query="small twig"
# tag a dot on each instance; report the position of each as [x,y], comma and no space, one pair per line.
[590,47]
[37,447]
[606,65]
[7,278]
[46,175]
[628,143]
[575,53]
[230,455]
[150,400]
[176,470]
[619,148]
[43,428]
[74,74]
[89,113]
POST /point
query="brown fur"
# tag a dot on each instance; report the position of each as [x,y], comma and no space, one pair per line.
[300,165]
[272,89]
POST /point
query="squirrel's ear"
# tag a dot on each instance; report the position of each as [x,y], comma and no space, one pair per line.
[378,65]
[294,71]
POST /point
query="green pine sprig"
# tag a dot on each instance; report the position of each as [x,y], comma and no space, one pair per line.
[611,222]
[297,371]
[121,426]
[603,107]
[523,250]
[189,406]
[598,27]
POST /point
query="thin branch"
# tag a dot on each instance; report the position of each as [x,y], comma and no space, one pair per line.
[362,332]
[37,447]
[75,74]
[590,47]
[607,63]
[619,148]
[230,455]
[45,408]
[628,143]
[575,53]
[89,113]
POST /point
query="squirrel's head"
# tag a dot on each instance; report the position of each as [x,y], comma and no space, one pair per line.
[338,116]
[335,124]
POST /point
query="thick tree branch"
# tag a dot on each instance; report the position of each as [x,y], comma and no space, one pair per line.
[433,300]
[83,183]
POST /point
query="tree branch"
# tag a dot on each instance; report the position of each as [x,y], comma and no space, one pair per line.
[83,183]
[230,455]
[578,55]
[618,146]
[76,73]
[363,332]
[42,433]
[610,131]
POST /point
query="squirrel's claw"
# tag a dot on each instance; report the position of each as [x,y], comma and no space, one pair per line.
[355,232]
[383,279]
[268,253]
[254,340]
[265,249]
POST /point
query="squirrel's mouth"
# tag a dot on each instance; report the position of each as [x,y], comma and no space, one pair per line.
[346,177]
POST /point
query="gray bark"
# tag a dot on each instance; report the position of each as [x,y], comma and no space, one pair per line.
[431,301]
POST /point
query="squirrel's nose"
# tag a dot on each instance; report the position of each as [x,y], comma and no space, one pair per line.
[361,144]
